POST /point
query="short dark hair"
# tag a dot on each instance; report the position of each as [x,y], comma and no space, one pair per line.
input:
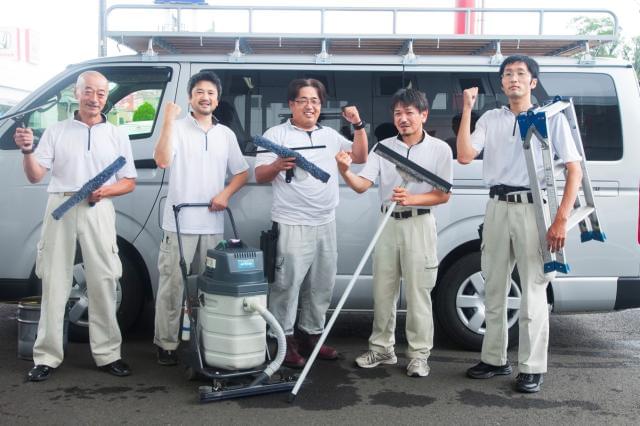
[410,97]
[531,64]
[294,88]
[205,76]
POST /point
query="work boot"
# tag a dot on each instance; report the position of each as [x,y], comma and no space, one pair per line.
[293,359]
[309,341]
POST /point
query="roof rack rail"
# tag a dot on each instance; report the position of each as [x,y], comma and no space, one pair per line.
[320,31]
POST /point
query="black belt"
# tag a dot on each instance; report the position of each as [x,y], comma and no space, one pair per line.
[515,198]
[405,214]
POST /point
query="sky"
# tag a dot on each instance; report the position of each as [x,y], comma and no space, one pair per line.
[68,29]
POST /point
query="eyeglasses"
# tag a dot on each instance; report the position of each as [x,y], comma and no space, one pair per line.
[305,101]
[521,75]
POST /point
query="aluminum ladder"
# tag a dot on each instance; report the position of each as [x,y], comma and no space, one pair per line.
[536,122]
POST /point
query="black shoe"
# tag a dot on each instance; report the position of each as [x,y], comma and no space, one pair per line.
[528,383]
[486,371]
[39,373]
[167,358]
[117,368]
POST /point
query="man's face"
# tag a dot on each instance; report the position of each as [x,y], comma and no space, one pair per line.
[204,98]
[91,93]
[408,119]
[305,109]
[517,80]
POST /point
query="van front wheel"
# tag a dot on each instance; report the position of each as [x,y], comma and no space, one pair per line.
[459,303]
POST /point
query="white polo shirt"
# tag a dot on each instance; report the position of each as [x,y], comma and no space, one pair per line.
[200,161]
[75,153]
[305,201]
[498,133]
[431,154]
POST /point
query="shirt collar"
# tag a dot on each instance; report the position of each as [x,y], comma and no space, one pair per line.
[76,118]
[424,135]
[293,126]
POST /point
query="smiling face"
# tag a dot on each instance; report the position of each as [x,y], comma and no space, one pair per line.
[92,90]
[517,81]
[409,120]
[203,98]
[305,108]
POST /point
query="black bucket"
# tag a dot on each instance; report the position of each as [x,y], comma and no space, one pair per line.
[28,317]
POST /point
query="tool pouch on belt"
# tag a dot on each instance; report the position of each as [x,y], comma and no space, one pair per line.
[269,246]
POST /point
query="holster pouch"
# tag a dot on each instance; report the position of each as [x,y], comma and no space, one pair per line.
[269,247]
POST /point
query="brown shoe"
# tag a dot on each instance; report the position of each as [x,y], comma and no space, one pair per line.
[308,343]
[293,359]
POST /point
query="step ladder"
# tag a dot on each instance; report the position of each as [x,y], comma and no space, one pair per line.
[536,122]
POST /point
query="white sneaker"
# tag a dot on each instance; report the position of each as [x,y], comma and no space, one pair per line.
[418,367]
[371,359]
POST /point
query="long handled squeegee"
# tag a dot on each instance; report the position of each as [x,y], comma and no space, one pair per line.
[410,172]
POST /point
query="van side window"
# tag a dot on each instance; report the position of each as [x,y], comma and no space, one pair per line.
[134,96]
[597,109]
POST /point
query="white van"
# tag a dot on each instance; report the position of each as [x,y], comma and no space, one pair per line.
[364,70]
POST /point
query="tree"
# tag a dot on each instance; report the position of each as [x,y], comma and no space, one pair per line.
[620,48]
[144,112]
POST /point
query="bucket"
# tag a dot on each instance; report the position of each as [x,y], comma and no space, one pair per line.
[28,317]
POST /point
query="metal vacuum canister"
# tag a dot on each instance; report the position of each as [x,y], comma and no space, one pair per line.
[231,337]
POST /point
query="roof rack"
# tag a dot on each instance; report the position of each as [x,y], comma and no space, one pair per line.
[326,31]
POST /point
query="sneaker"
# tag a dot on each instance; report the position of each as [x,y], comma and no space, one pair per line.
[371,359]
[167,358]
[418,367]
[528,383]
[486,371]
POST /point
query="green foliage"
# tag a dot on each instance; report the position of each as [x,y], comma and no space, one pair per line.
[620,48]
[144,112]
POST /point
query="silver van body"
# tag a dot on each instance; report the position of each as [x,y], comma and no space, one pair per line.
[603,277]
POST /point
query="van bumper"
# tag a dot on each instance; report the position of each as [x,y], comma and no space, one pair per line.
[628,293]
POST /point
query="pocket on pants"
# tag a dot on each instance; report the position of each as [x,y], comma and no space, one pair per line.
[483,257]
[117,264]
[40,259]
[279,280]
[165,264]
[541,276]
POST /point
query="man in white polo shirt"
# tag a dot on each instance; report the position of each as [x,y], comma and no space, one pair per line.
[510,233]
[76,150]
[199,151]
[407,246]
[304,209]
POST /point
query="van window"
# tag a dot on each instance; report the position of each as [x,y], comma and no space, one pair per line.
[254,100]
[597,110]
[134,96]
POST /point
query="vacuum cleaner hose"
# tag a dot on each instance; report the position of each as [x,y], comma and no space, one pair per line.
[252,305]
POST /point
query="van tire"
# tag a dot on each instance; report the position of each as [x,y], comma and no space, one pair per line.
[130,306]
[451,318]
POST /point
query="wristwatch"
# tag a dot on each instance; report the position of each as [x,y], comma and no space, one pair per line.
[27,151]
[360,125]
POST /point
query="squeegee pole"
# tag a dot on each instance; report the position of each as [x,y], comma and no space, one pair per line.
[342,300]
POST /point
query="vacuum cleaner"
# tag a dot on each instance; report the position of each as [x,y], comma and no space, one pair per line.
[225,319]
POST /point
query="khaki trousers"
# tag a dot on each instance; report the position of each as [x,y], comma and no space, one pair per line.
[170,283]
[94,228]
[406,249]
[510,236]
[306,264]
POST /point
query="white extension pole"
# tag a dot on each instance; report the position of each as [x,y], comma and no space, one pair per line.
[343,299]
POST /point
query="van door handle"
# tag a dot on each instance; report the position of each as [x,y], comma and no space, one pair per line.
[147,163]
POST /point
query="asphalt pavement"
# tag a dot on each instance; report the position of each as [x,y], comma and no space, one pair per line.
[593,378]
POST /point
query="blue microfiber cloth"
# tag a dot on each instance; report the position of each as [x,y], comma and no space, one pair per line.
[86,190]
[301,162]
